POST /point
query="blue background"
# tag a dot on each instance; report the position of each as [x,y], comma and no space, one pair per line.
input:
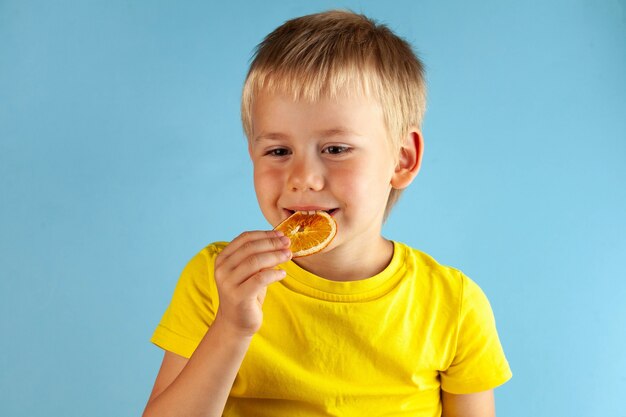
[122,155]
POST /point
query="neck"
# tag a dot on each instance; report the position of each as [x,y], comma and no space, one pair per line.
[350,263]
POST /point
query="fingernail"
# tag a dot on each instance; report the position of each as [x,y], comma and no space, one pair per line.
[284,240]
[287,253]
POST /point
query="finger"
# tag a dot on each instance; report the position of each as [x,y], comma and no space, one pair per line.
[254,247]
[244,240]
[256,263]
[256,284]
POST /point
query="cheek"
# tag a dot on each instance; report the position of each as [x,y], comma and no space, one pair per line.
[356,182]
[366,185]
[267,192]
[266,181]
[362,177]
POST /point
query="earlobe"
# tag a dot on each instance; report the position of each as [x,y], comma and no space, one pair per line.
[409,161]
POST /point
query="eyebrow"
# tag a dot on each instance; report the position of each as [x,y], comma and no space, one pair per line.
[271,136]
[328,133]
[340,131]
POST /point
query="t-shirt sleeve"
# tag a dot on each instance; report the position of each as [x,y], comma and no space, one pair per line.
[193,306]
[479,363]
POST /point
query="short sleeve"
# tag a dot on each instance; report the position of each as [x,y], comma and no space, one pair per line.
[193,306]
[479,363]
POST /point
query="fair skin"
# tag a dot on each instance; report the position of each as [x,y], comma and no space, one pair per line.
[330,155]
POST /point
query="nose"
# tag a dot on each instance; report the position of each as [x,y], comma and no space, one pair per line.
[307,173]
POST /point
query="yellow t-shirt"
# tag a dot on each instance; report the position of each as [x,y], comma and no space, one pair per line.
[385,345]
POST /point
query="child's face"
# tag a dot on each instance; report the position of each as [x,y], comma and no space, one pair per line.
[327,155]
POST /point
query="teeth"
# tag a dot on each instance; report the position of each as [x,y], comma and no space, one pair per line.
[311,212]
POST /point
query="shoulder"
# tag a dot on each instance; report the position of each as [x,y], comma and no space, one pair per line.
[196,285]
[206,256]
[197,275]
[443,282]
[193,306]
[428,269]
[213,249]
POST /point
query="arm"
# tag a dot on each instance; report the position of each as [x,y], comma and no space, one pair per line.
[200,386]
[480,404]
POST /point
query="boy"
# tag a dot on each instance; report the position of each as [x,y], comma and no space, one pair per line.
[332,108]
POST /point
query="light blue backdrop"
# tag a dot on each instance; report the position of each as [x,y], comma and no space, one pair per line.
[121,155]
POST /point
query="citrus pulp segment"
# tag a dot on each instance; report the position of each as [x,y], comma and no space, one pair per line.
[309,231]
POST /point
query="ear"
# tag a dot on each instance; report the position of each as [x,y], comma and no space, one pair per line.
[410,160]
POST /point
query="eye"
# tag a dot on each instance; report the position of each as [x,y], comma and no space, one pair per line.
[278,152]
[336,149]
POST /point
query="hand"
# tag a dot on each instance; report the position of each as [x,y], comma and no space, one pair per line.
[243,270]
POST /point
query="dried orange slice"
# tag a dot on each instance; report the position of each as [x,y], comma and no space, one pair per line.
[309,231]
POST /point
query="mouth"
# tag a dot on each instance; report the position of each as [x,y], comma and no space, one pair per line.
[289,212]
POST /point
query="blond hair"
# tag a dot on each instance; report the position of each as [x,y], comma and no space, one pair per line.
[334,53]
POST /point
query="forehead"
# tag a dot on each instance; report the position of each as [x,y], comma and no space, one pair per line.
[278,114]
